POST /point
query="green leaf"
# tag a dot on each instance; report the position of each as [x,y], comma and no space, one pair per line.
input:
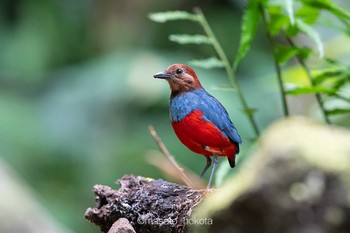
[338,111]
[280,16]
[162,17]
[277,22]
[331,61]
[250,23]
[342,80]
[292,89]
[283,53]
[292,30]
[338,11]
[341,12]
[310,32]
[307,14]
[325,75]
[208,63]
[190,39]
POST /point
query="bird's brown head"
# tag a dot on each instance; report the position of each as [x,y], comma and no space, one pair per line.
[181,78]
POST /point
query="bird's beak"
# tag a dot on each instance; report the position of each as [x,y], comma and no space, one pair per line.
[162,75]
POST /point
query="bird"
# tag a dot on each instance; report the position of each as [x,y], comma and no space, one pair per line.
[199,120]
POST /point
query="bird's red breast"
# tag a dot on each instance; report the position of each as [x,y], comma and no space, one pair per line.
[203,137]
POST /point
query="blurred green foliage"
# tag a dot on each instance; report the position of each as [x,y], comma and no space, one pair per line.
[77,91]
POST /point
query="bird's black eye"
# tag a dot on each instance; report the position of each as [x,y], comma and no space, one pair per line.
[179,71]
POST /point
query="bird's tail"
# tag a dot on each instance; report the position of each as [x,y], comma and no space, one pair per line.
[232,162]
[232,159]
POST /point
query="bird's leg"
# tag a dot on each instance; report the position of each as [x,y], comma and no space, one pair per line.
[206,166]
[215,163]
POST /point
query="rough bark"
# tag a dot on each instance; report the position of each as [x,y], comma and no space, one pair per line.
[122,225]
[149,205]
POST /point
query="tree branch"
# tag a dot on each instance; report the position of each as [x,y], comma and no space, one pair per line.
[149,205]
[167,154]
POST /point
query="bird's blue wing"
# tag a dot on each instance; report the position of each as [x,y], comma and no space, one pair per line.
[214,112]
